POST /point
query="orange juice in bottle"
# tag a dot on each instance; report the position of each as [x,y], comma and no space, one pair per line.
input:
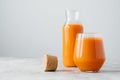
[70,29]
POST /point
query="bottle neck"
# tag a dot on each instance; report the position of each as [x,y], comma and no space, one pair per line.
[72,17]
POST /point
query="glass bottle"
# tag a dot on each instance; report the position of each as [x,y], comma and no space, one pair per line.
[70,29]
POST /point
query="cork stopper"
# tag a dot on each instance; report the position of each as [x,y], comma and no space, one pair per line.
[50,63]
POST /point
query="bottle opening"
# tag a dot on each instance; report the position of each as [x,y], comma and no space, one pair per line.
[72,16]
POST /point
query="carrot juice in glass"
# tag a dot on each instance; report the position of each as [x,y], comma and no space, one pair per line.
[89,52]
[69,31]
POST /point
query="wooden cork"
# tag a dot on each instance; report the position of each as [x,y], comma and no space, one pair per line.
[50,63]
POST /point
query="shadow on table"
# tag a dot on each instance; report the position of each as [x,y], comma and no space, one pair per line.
[68,71]
[109,71]
[77,71]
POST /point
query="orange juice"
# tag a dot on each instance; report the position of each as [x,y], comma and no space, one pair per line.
[89,53]
[69,36]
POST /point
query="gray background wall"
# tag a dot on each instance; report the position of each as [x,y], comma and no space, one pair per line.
[31,28]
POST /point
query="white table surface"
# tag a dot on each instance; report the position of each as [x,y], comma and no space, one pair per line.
[31,69]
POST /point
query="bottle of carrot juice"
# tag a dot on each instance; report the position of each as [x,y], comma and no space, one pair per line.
[70,29]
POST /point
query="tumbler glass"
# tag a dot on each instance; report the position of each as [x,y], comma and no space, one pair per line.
[89,52]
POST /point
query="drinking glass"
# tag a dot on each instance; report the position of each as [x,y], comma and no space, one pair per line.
[89,52]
